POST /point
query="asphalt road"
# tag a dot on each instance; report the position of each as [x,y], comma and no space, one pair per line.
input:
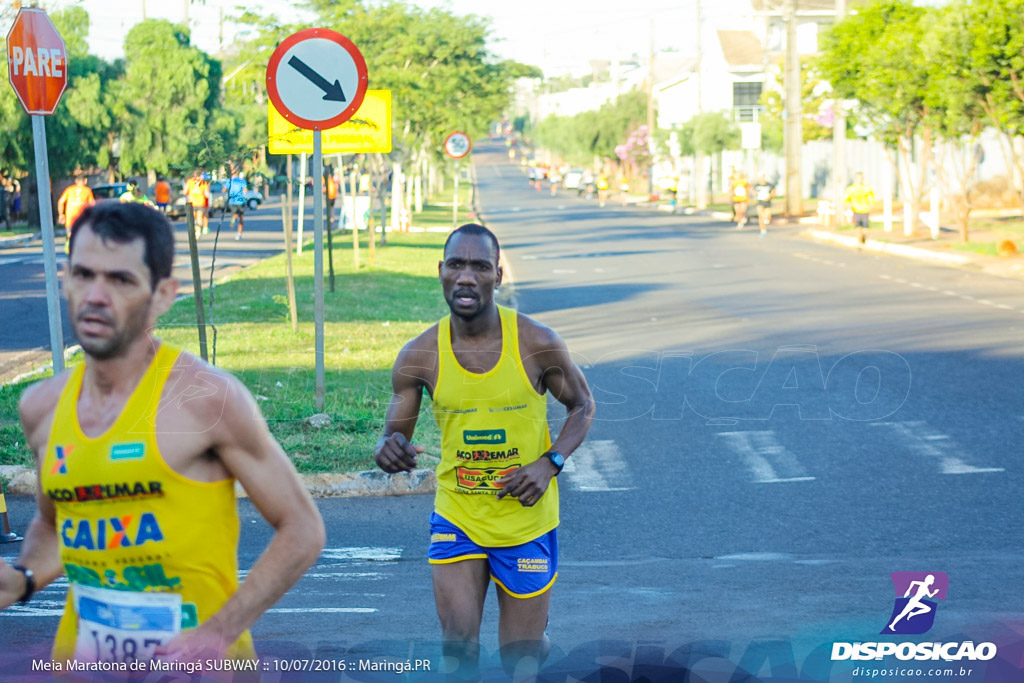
[781,426]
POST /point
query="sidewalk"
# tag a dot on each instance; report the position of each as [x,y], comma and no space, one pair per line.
[15,241]
[919,246]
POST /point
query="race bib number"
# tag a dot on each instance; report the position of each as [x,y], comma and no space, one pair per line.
[122,626]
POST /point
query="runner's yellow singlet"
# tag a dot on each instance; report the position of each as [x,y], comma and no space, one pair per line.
[139,542]
[491,424]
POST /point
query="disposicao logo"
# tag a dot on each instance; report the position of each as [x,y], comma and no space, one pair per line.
[914,611]
[913,614]
[488,436]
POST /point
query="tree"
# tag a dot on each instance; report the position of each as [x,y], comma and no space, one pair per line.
[957,102]
[874,57]
[816,98]
[714,133]
[996,58]
[165,100]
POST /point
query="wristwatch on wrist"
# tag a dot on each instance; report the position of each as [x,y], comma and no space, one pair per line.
[30,583]
[557,458]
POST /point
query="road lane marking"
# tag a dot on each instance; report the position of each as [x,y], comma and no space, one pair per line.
[372,554]
[768,461]
[598,466]
[327,610]
[922,439]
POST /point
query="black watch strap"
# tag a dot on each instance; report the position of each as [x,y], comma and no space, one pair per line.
[30,583]
[557,459]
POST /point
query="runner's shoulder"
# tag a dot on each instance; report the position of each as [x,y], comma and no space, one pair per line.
[420,353]
[39,400]
[536,337]
[200,388]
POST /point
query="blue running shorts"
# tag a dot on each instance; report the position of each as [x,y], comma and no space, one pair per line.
[523,571]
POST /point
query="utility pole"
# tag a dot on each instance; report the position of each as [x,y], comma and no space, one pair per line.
[220,34]
[650,119]
[838,143]
[792,130]
[701,183]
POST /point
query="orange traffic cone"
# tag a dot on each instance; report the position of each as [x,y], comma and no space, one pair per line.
[7,536]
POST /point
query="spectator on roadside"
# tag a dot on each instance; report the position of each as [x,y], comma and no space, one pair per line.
[5,215]
[134,194]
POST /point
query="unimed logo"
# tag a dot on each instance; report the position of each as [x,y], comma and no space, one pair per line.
[479,436]
[913,613]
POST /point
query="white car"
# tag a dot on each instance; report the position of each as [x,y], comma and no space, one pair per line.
[253,199]
[573,179]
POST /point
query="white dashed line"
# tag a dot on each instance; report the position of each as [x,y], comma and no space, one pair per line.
[765,457]
[598,466]
[919,437]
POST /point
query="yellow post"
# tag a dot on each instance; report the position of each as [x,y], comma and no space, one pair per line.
[8,536]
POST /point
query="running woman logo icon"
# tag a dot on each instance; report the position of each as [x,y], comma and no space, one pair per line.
[914,611]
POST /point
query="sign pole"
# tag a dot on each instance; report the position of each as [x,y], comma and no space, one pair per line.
[49,257]
[455,202]
[318,264]
[302,196]
[354,186]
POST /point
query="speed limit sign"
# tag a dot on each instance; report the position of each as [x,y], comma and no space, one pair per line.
[457,145]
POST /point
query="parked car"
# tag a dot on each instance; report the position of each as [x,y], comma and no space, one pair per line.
[572,179]
[111,191]
[253,199]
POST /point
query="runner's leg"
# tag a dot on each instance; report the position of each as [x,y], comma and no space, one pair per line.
[521,627]
[460,589]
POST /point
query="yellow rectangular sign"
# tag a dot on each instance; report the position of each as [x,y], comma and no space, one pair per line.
[369,130]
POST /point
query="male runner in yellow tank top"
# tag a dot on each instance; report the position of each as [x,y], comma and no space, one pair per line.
[138,450]
[487,369]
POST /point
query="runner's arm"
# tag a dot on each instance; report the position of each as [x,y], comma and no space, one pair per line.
[252,456]
[564,379]
[39,551]
[394,451]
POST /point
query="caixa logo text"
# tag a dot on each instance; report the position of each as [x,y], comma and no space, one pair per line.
[949,652]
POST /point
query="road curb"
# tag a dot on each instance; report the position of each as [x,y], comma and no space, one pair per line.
[22,481]
[889,248]
[15,241]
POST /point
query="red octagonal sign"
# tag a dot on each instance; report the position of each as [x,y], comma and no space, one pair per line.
[36,61]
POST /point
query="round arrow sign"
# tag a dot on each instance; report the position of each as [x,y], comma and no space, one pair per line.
[316,78]
[457,145]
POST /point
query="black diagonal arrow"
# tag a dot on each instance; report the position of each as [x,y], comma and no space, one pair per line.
[332,91]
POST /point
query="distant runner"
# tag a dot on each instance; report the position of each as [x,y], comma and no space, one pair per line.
[740,189]
[73,201]
[487,369]
[763,193]
[237,188]
[860,198]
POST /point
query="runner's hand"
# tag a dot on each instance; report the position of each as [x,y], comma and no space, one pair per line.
[528,483]
[194,645]
[396,454]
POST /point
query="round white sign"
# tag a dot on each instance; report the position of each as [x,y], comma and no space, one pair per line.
[315,79]
[457,145]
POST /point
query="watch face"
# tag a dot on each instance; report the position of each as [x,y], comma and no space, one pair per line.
[557,459]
